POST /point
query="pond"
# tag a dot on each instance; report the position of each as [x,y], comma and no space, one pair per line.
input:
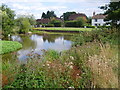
[36,43]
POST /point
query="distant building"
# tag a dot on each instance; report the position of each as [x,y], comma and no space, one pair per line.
[47,20]
[98,20]
[43,21]
[75,16]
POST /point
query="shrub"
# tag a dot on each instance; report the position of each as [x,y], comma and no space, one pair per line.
[70,24]
[75,23]
[56,23]
[90,26]
[9,46]
[48,25]
[24,24]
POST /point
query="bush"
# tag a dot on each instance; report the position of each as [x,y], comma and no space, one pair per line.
[24,24]
[9,46]
[57,24]
[90,26]
[103,26]
[48,25]
[70,24]
[75,23]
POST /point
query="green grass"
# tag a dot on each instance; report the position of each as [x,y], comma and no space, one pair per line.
[9,46]
[45,32]
[66,29]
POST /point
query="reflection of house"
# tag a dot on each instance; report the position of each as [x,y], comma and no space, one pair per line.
[75,16]
[98,20]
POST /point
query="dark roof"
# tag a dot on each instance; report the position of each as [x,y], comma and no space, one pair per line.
[99,16]
[46,20]
[75,16]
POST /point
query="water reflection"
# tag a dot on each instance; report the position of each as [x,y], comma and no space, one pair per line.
[36,43]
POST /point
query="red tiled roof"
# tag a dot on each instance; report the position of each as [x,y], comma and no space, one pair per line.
[75,16]
[46,20]
[99,16]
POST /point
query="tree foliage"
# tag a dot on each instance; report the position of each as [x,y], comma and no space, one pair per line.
[80,22]
[31,19]
[8,21]
[49,14]
[66,15]
[55,22]
[23,23]
[112,11]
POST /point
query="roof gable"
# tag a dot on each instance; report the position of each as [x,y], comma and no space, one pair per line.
[75,16]
[99,16]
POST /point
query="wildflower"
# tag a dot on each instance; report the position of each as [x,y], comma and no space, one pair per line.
[71,67]
[48,64]
[70,87]
[71,57]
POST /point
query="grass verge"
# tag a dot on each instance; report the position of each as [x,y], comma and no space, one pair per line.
[65,29]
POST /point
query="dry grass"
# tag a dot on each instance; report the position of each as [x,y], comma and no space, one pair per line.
[104,67]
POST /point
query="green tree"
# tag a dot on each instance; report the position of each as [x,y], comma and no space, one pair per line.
[43,15]
[31,19]
[49,14]
[24,24]
[66,15]
[55,22]
[81,22]
[112,11]
[8,21]
[89,20]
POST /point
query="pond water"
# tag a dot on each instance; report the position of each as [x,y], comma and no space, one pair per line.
[36,43]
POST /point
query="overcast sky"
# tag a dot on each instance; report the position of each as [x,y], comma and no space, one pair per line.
[36,7]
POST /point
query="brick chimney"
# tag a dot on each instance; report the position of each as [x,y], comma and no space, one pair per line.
[93,13]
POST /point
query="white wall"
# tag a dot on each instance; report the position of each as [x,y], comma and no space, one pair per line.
[100,22]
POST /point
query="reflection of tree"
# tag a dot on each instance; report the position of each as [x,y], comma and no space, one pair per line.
[50,38]
[67,37]
[28,43]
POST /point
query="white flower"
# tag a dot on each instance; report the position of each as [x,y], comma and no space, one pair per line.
[71,66]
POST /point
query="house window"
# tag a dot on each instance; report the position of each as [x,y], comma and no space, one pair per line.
[95,24]
[95,20]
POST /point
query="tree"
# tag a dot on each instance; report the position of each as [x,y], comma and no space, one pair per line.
[23,24]
[31,19]
[89,20]
[81,22]
[66,15]
[8,21]
[43,15]
[49,14]
[112,11]
[55,22]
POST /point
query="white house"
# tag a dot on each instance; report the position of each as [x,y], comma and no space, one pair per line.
[98,20]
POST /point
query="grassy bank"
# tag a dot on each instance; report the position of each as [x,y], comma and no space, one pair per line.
[9,46]
[92,62]
[65,29]
[45,32]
